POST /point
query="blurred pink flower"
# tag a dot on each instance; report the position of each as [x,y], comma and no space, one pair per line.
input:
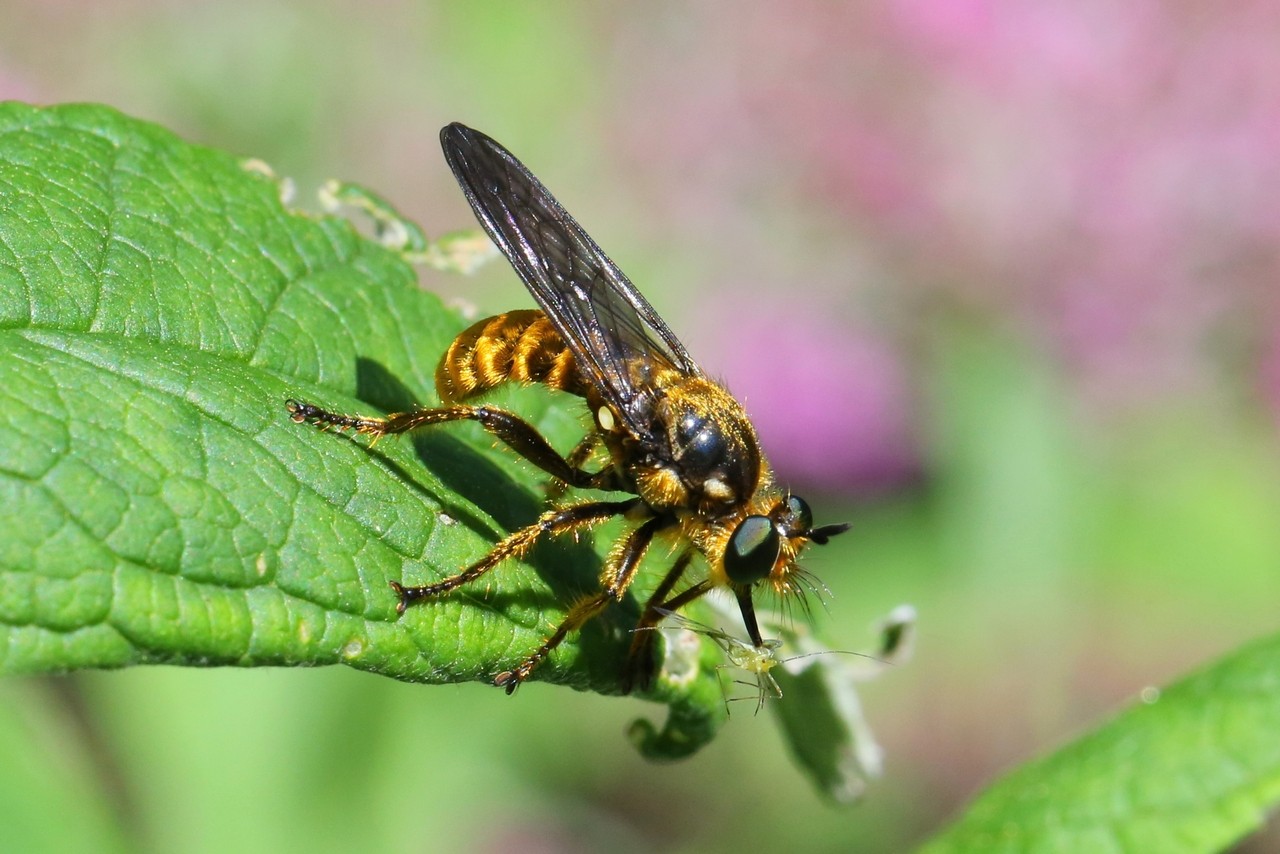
[830,402]
[1105,174]
[13,88]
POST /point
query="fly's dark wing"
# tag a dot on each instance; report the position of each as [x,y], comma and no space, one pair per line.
[605,321]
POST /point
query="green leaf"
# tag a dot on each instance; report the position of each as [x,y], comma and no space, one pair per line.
[158,304]
[1194,768]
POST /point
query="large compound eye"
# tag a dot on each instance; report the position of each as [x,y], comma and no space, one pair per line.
[753,550]
[801,516]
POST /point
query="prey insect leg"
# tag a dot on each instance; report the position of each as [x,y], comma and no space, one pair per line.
[514,432]
[619,571]
[551,523]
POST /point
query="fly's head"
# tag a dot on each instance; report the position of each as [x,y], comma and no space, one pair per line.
[705,465]
[761,552]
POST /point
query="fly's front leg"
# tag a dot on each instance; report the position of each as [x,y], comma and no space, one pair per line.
[551,523]
[641,663]
[619,571]
[514,432]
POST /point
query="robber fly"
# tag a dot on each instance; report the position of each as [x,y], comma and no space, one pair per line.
[676,441]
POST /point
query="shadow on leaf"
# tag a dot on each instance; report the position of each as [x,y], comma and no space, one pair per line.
[569,568]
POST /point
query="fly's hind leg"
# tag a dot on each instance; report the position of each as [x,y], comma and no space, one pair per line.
[512,431]
[619,571]
[576,459]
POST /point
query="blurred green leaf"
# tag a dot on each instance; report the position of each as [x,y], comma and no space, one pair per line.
[158,304]
[1194,768]
[44,768]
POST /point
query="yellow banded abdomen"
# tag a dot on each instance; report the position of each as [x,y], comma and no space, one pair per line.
[519,345]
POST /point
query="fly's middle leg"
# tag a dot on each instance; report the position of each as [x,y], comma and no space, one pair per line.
[551,523]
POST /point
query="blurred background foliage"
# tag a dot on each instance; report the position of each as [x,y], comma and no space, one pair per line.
[996,280]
